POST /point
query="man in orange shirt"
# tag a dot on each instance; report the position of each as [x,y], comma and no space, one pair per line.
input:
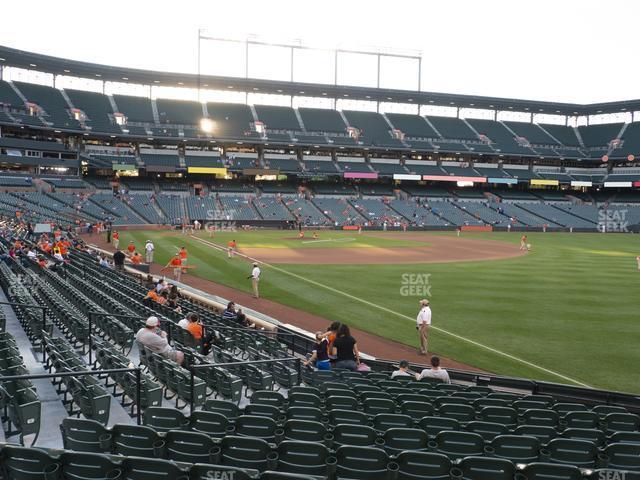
[183,258]
[176,263]
[231,248]
[136,259]
[131,248]
[195,327]
[115,239]
[151,296]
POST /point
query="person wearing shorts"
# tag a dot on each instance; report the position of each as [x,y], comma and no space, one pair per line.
[115,239]
[320,354]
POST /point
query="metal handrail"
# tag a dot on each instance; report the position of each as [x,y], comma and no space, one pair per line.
[39,376]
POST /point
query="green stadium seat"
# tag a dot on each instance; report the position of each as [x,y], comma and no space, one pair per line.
[622,456]
[548,400]
[471,396]
[304,413]
[230,410]
[416,409]
[136,468]
[596,436]
[461,413]
[304,400]
[22,463]
[481,403]
[604,410]
[361,463]
[164,419]
[625,437]
[306,458]
[621,422]
[451,400]
[540,417]
[482,468]
[268,397]
[423,465]
[504,415]
[87,466]
[345,391]
[262,410]
[564,408]
[397,440]
[189,447]
[384,421]
[523,405]
[517,448]
[245,452]
[577,419]
[580,453]
[355,435]
[544,434]
[257,427]
[305,431]
[305,389]
[341,403]
[375,406]
[213,424]
[456,445]
[350,417]
[509,397]
[487,430]
[550,471]
[227,385]
[85,436]
[434,425]
[135,440]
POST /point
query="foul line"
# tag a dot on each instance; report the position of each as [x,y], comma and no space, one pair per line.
[384,309]
[336,240]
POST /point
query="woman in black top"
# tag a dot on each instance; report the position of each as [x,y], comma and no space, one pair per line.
[345,349]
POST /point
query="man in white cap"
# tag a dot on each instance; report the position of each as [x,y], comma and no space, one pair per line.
[151,337]
[148,249]
[423,322]
[255,279]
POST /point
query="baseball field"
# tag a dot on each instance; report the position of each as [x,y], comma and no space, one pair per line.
[565,311]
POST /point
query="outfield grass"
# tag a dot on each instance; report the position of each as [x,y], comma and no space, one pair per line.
[570,305]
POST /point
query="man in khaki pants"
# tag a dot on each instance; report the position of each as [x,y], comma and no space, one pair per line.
[423,323]
[255,279]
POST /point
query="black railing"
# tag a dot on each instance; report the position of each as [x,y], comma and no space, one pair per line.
[296,342]
[202,366]
[44,318]
[39,376]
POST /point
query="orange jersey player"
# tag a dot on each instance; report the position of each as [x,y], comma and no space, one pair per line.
[231,248]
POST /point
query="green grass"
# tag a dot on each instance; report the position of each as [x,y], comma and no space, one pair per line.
[570,305]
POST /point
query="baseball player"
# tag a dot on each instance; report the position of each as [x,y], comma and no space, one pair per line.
[176,264]
[231,248]
[523,242]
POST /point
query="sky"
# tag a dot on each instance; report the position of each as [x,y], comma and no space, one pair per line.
[579,51]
